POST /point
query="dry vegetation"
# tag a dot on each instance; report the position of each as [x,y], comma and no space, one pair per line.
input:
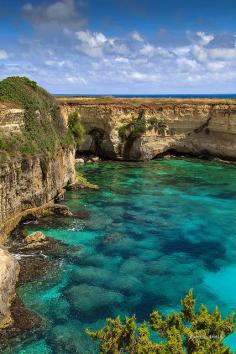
[140,102]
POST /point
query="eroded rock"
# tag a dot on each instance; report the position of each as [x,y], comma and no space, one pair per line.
[9,272]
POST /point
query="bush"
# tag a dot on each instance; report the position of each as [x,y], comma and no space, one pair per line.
[159,125]
[187,331]
[139,127]
[75,127]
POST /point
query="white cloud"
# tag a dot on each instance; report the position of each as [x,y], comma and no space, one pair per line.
[3,54]
[91,44]
[122,60]
[215,66]
[136,36]
[76,80]
[96,44]
[223,53]
[205,38]
[147,49]
[200,53]
[186,64]
[74,58]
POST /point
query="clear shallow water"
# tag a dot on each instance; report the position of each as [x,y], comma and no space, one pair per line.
[154,230]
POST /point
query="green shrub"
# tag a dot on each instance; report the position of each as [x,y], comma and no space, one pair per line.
[44,129]
[75,127]
[187,331]
[139,127]
[159,125]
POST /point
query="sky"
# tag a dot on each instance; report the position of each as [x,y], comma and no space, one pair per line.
[121,46]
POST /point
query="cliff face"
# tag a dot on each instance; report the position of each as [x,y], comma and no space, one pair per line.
[9,272]
[36,163]
[28,184]
[127,130]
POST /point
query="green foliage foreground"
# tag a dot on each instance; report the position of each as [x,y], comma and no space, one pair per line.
[187,331]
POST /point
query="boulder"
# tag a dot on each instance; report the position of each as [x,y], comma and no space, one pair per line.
[81,161]
[35,240]
[95,159]
[62,210]
[35,237]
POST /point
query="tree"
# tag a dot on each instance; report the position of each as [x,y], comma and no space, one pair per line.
[187,331]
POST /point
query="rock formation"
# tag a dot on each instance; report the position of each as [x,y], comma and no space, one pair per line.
[36,163]
[141,129]
[9,272]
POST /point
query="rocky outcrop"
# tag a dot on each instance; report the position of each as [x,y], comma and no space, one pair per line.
[28,185]
[9,272]
[197,127]
[11,118]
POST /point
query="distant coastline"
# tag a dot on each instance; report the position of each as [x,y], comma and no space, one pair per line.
[223,95]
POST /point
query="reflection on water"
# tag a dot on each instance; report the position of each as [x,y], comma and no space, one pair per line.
[153,231]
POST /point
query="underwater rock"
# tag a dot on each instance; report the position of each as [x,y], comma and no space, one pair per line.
[98,222]
[132,265]
[127,284]
[59,310]
[34,267]
[71,338]
[86,298]
[97,260]
[112,238]
[92,275]
[82,214]
[23,320]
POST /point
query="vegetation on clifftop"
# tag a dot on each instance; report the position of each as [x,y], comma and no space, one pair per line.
[141,125]
[187,331]
[44,128]
[75,127]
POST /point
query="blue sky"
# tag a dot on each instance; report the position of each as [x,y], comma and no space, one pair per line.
[125,46]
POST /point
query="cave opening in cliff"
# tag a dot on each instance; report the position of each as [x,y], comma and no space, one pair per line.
[94,144]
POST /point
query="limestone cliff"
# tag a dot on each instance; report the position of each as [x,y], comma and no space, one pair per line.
[26,185]
[36,163]
[36,151]
[9,272]
[142,129]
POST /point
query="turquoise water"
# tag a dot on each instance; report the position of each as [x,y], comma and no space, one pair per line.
[150,233]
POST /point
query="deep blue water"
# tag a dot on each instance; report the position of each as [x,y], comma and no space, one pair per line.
[151,232]
[223,95]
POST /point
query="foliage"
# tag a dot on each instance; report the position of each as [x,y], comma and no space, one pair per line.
[133,130]
[44,129]
[159,125]
[187,331]
[140,126]
[75,127]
